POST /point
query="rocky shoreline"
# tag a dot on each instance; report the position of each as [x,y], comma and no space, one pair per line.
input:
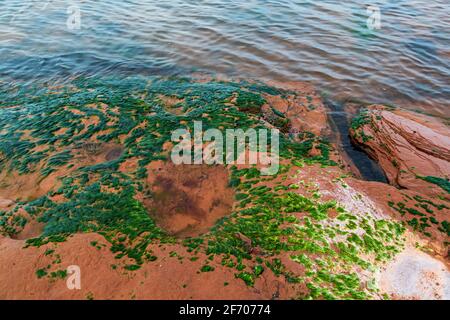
[85,180]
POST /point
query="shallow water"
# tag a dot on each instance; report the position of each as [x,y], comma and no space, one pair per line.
[406,62]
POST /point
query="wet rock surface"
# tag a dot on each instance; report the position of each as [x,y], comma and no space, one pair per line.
[104,195]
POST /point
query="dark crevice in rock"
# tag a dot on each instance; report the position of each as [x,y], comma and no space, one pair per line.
[340,122]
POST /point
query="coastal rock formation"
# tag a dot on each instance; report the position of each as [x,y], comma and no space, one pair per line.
[100,192]
[413,149]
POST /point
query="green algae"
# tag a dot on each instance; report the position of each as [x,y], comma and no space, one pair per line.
[441,182]
[267,221]
[422,217]
[99,198]
[358,123]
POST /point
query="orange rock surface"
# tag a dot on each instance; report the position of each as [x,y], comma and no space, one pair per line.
[408,146]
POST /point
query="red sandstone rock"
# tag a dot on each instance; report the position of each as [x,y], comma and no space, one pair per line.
[407,146]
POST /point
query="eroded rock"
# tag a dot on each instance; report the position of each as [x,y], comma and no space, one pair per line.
[413,149]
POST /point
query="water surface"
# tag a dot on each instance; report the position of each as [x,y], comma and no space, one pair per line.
[328,43]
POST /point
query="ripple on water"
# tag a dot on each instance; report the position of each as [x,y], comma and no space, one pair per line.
[406,62]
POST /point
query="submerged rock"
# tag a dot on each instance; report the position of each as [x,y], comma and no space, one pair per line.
[413,149]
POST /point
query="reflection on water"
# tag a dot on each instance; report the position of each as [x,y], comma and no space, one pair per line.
[406,62]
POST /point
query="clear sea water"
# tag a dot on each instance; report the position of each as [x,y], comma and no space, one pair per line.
[406,62]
